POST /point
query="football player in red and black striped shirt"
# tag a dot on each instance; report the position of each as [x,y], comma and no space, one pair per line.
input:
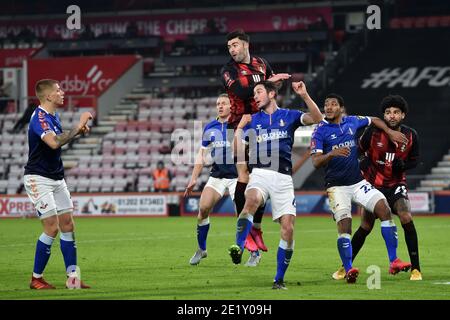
[384,165]
[239,77]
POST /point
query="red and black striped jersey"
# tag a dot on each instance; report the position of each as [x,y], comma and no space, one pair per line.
[239,79]
[385,164]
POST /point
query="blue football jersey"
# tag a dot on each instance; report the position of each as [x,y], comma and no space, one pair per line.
[43,160]
[270,138]
[340,171]
[215,137]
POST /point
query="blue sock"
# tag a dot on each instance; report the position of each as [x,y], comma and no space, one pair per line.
[43,250]
[243,229]
[344,245]
[389,232]
[69,250]
[284,256]
[202,233]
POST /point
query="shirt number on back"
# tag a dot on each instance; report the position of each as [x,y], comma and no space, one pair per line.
[366,188]
[402,190]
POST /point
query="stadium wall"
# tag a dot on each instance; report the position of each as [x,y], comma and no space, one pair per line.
[123,85]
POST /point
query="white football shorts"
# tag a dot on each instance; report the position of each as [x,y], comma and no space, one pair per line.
[222,185]
[48,196]
[278,187]
[362,193]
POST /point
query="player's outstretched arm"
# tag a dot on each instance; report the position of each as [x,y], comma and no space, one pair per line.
[198,166]
[319,159]
[314,115]
[279,76]
[57,141]
[395,136]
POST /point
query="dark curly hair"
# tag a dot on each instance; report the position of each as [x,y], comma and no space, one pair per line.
[339,99]
[269,86]
[395,101]
[240,34]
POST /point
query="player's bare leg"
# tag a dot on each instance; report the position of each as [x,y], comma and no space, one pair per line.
[43,250]
[403,210]
[389,232]
[208,199]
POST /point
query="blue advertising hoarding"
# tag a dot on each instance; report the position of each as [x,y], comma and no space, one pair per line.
[306,203]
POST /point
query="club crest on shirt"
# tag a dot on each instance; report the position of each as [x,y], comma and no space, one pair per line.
[281,123]
[403,147]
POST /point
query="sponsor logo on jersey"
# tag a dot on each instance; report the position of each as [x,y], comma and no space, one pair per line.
[274,135]
[221,144]
[350,144]
[389,158]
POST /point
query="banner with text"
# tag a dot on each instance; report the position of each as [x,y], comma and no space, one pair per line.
[80,76]
[12,58]
[94,205]
[306,203]
[176,25]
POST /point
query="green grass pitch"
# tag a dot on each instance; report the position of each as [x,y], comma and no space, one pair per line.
[148,258]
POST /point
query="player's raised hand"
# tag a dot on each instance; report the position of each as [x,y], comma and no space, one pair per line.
[189,188]
[279,76]
[82,125]
[85,129]
[246,118]
[341,152]
[85,117]
[300,88]
[397,137]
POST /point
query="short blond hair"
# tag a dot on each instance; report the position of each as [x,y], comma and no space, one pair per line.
[42,86]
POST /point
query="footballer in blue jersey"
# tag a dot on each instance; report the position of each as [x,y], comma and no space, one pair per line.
[45,185]
[334,147]
[270,136]
[216,141]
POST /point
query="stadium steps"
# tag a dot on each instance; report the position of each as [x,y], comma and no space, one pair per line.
[115,118]
[107,123]
[102,129]
[444,164]
[122,112]
[92,144]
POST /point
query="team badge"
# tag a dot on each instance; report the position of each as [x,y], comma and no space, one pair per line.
[281,123]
